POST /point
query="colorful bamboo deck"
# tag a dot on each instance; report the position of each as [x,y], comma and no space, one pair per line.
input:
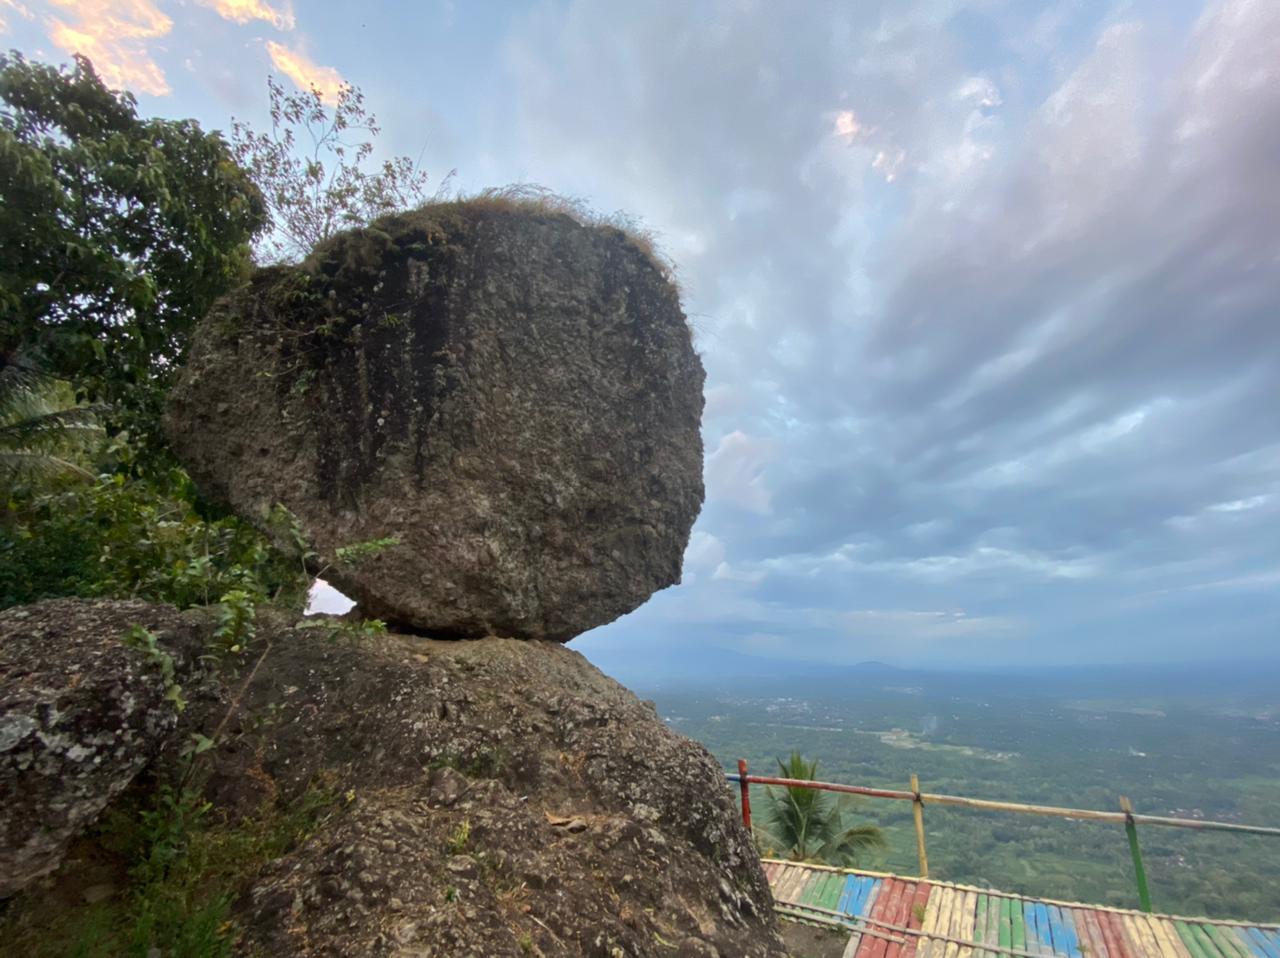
[979,923]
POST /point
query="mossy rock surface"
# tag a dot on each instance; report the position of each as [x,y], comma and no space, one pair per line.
[511,394]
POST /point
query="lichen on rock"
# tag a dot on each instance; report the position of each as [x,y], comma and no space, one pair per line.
[512,395]
[81,714]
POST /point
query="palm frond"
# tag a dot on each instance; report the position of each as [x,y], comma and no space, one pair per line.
[51,426]
[43,430]
[852,845]
[18,375]
[806,824]
[26,464]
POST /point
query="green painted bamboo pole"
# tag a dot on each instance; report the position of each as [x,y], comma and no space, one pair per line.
[917,811]
[1144,893]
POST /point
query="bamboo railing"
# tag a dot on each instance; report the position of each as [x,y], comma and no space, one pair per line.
[1125,816]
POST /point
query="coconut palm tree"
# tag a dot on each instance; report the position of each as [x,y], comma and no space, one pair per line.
[42,428]
[808,825]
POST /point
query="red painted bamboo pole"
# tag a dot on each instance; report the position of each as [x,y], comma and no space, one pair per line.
[743,779]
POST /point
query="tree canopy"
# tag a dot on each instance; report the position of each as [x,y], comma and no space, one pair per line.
[119,232]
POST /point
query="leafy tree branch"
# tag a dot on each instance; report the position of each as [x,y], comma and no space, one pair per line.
[313,168]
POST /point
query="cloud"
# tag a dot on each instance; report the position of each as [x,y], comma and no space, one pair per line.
[888,163]
[727,573]
[114,35]
[984,559]
[1029,379]
[734,472]
[245,11]
[20,9]
[1240,505]
[898,625]
[305,72]
[846,125]
[999,384]
[979,90]
[704,554]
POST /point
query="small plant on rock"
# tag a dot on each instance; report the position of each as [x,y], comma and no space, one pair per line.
[460,838]
[236,626]
[146,641]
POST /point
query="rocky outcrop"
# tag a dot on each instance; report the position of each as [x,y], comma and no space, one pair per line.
[511,395]
[508,796]
[81,714]
[496,797]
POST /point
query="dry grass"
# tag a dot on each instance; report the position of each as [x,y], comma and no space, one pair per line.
[531,198]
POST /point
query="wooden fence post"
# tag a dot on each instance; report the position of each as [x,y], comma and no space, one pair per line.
[1144,893]
[917,811]
[746,793]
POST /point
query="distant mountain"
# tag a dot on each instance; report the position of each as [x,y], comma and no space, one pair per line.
[671,666]
[668,667]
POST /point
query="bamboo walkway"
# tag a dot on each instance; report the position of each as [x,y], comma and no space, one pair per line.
[892,917]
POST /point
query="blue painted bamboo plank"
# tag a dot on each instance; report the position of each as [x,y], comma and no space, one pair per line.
[865,895]
[1242,935]
[1268,947]
[869,885]
[1031,926]
[1065,939]
[1055,928]
[858,894]
[1028,925]
[1044,934]
[848,894]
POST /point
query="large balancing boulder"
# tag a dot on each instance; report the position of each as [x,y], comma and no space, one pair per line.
[512,395]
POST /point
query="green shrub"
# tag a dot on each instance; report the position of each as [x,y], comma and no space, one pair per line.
[135,537]
[185,869]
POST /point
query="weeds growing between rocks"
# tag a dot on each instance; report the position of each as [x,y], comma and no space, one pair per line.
[180,871]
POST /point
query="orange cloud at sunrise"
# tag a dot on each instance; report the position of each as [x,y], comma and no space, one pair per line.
[113,34]
[244,11]
[307,74]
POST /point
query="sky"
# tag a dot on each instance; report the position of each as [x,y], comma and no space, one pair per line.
[988,292]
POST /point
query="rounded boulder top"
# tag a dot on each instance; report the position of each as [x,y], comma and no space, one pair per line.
[481,417]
